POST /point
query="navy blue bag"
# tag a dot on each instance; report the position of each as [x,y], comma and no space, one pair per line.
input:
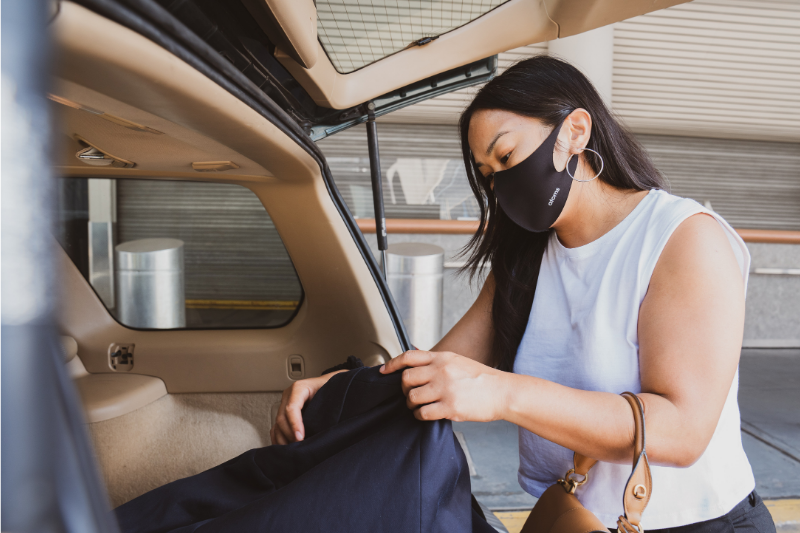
[366,465]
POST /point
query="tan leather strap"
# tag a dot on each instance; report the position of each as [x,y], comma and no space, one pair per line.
[579,473]
[640,483]
[583,464]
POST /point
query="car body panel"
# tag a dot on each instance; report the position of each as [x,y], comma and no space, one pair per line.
[511,25]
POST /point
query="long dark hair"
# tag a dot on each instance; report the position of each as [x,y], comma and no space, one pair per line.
[547,89]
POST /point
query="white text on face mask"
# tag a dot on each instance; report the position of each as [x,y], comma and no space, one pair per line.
[553,199]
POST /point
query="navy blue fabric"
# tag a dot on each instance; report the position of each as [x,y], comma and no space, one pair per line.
[749,516]
[366,464]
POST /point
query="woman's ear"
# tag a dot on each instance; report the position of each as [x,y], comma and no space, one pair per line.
[578,129]
[573,137]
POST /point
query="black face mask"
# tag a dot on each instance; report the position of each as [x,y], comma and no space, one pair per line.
[533,193]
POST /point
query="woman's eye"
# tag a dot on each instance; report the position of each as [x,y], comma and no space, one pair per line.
[505,158]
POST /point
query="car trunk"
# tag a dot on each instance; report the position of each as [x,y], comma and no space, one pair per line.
[228,82]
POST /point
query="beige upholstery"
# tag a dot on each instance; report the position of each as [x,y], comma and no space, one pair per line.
[70,347]
[107,396]
[178,436]
[174,151]
[144,438]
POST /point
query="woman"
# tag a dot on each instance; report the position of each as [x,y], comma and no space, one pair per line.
[635,289]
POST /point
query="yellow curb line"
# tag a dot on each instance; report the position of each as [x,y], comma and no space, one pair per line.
[784,513]
[513,520]
[251,305]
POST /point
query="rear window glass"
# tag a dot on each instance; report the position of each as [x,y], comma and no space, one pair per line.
[355,33]
[413,187]
[176,254]
[422,172]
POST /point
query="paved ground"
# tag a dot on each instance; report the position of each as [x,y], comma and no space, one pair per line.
[769,399]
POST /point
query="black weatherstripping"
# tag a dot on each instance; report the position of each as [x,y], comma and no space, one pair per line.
[446,82]
[149,19]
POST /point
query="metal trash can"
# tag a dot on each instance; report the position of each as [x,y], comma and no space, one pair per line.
[150,283]
[415,274]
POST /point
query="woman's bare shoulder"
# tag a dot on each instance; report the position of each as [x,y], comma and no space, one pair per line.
[698,248]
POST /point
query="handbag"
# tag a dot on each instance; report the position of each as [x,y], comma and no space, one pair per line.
[558,509]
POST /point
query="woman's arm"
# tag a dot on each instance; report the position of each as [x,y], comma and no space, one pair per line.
[472,335]
[690,332]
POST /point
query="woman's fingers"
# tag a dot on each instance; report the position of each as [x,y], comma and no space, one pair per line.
[432,411]
[288,425]
[284,429]
[408,359]
[421,396]
[416,377]
[276,434]
[289,422]
[294,415]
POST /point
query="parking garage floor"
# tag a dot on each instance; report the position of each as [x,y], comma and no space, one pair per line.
[769,399]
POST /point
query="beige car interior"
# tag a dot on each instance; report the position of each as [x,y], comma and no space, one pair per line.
[195,398]
[127,108]
[292,24]
[513,24]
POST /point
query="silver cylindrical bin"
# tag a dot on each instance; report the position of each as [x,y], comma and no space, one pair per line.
[150,284]
[414,272]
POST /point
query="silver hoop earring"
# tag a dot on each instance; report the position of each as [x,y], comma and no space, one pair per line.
[602,166]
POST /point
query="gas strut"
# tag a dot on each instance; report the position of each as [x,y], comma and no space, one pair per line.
[377,186]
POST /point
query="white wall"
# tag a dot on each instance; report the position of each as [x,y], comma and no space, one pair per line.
[593,54]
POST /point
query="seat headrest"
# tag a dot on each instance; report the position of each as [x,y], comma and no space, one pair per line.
[70,348]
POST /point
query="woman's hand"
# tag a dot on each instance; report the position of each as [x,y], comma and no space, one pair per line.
[447,385]
[288,425]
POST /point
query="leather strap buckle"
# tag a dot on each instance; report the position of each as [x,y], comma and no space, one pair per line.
[624,526]
[571,483]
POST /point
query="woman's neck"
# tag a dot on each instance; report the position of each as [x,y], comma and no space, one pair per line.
[593,209]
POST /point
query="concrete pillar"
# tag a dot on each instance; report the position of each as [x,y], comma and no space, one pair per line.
[591,52]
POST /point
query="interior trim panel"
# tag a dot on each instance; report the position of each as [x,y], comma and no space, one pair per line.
[108,67]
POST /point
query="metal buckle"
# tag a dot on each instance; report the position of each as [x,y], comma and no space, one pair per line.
[570,483]
[624,526]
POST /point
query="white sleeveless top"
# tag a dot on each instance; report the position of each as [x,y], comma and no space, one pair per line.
[582,333]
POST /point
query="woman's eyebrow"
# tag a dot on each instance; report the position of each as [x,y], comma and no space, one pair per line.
[491,144]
